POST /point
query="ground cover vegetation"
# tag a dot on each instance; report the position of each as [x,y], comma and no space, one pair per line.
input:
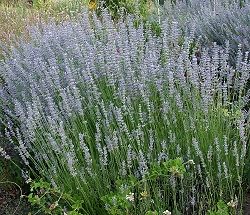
[127,110]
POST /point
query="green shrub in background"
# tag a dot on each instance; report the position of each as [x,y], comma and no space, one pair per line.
[142,8]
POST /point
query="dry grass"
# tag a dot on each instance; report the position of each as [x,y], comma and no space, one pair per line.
[16,16]
[14,20]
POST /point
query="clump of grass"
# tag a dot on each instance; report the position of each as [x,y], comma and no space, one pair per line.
[129,122]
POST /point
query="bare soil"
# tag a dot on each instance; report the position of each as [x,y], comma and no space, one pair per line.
[247,204]
[11,203]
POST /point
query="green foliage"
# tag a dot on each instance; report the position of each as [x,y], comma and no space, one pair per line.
[142,8]
[136,196]
[39,4]
[221,209]
[49,200]
[116,204]
[151,213]
[175,167]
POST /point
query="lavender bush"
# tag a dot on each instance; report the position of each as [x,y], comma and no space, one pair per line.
[127,122]
[214,21]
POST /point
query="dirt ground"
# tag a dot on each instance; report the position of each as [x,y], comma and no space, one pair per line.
[11,204]
[247,204]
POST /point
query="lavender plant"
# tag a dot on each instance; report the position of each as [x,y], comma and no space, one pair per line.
[214,21]
[128,122]
[228,24]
